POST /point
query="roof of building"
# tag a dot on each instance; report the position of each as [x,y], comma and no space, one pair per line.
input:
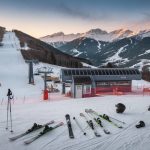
[101,74]
[82,79]
[101,71]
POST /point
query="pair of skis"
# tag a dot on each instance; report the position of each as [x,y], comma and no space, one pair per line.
[97,120]
[35,127]
[68,120]
[91,125]
[104,117]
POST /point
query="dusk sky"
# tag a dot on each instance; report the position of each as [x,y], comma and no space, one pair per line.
[43,17]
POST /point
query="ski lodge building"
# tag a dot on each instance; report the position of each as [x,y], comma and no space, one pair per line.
[87,82]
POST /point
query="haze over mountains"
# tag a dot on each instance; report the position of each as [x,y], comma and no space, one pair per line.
[97,34]
[122,47]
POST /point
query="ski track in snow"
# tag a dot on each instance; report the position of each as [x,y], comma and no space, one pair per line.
[25,114]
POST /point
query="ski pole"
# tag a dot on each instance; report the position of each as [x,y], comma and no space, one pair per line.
[2,101]
[7,113]
[84,133]
[11,117]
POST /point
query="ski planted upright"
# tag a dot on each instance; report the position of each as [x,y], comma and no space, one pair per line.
[45,130]
[107,119]
[98,121]
[71,135]
[91,125]
[32,129]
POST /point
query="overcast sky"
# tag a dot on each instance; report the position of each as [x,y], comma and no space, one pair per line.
[43,17]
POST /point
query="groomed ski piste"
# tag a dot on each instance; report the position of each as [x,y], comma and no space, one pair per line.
[28,108]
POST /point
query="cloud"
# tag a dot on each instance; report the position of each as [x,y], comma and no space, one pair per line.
[78,13]
[146,16]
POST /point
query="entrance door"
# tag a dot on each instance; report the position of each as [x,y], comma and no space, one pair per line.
[78,93]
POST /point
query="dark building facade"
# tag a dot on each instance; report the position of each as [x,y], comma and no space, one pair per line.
[87,82]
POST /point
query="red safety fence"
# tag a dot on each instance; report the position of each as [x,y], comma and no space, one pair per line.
[115,90]
[146,91]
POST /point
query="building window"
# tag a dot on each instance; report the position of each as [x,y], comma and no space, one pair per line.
[87,89]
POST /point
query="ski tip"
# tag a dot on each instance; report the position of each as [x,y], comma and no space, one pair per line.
[107,132]
[74,118]
[52,121]
[26,143]
[67,115]
[86,110]
[61,123]
[81,114]
[84,133]
[120,127]
[11,139]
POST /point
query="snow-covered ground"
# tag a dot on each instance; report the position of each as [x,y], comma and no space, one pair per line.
[14,71]
[128,138]
[14,75]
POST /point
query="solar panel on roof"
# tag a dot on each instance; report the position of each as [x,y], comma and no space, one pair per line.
[89,72]
[124,72]
[85,72]
[65,72]
[81,72]
[130,71]
[69,72]
[120,72]
[96,72]
[73,72]
[127,72]
[137,72]
[110,72]
[107,72]
[92,72]
[114,73]
[117,71]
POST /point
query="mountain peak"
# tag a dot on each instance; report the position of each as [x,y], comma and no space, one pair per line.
[122,31]
[57,34]
[96,31]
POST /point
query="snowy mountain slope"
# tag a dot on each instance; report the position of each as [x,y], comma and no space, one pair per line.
[44,52]
[14,71]
[125,52]
[59,39]
[101,35]
[143,34]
